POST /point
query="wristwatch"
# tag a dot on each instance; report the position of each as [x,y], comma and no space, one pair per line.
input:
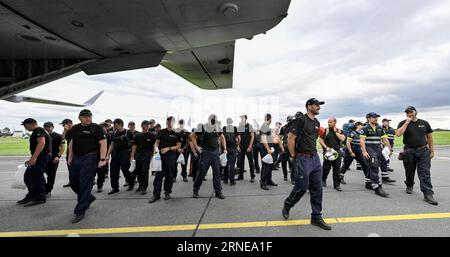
[103,159]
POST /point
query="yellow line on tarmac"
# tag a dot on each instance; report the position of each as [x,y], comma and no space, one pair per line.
[232,225]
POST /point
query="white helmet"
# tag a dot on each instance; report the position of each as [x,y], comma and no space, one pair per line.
[331,155]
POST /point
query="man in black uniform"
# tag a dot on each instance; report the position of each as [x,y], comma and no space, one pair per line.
[256,146]
[209,151]
[120,151]
[267,147]
[58,147]
[41,151]
[284,131]
[142,153]
[67,125]
[102,172]
[247,137]
[418,152]
[371,137]
[233,139]
[167,144]
[87,152]
[332,140]
[308,171]
[184,134]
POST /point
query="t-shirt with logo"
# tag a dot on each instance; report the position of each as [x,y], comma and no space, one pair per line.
[168,138]
[145,141]
[416,132]
[37,133]
[307,132]
[85,139]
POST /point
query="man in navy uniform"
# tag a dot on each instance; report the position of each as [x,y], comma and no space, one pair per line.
[371,137]
[67,125]
[390,132]
[233,139]
[87,152]
[302,146]
[142,153]
[247,138]
[184,134]
[41,151]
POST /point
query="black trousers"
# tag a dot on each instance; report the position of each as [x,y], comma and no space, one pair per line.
[34,179]
[256,157]
[121,161]
[50,171]
[169,166]
[420,160]
[101,175]
[348,159]
[229,171]
[142,168]
[208,159]
[250,159]
[336,166]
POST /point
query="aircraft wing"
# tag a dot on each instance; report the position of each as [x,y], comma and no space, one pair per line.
[20,99]
[208,67]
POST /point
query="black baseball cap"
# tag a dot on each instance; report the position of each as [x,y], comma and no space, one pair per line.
[386,119]
[351,121]
[28,121]
[410,109]
[108,121]
[372,115]
[65,121]
[313,101]
[85,112]
[48,124]
[268,116]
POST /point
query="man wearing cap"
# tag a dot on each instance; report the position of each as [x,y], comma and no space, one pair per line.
[302,140]
[167,144]
[247,137]
[233,139]
[41,151]
[331,140]
[212,139]
[67,125]
[417,153]
[142,153]
[58,147]
[184,134]
[384,165]
[87,152]
[120,151]
[371,138]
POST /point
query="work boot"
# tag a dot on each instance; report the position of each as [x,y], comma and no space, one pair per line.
[99,190]
[342,180]
[130,188]
[388,180]
[240,177]
[285,211]
[143,192]
[220,195]
[185,179]
[409,190]
[67,185]
[263,186]
[93,198]
[232,183]
[154,199]
[369,186]
[430,199]
[35,202]
[271,183]
[338,188]
[195,195]
[24,200]
[285,178]
[252,180]
[320,223]
[380,192]
[166,197]
[78,217]
[113,191]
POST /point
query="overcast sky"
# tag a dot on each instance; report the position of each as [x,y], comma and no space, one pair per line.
[358,56]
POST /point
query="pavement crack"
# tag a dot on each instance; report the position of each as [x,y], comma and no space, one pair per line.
[203,214]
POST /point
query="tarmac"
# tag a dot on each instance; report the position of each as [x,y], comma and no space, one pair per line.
[247,210]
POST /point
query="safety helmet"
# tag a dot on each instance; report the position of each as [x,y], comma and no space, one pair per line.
[331,155]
